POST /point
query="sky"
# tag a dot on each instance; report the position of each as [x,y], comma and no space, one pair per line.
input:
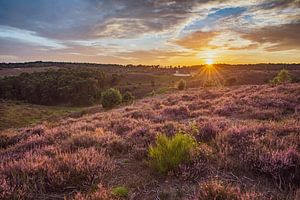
[158,32]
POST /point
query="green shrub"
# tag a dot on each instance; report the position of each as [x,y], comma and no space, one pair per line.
[181,85]
[120,191]
[128,97]
[111,97]
[282,77]
[168,153]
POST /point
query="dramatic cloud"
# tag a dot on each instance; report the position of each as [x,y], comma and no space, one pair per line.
[197,40]
[279,4]
[276,38]
[147,31]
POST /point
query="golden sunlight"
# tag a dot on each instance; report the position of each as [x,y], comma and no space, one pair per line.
[209,74]
[209,61]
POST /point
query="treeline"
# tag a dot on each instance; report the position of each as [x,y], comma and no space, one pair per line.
[152,68]
[68,86]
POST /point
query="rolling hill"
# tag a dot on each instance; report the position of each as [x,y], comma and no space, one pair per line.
[247,137]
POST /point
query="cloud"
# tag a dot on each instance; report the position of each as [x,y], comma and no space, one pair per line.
[90,19]
[26,36]
[276,38]
[197,40]
[246,47]
[141,30]
[151,56]
[279,4]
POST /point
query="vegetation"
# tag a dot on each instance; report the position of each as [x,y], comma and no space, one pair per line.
[120,191]
[127,97]
[168,153]
[231,81]
[181,85]
[282,77]
[220,191]
[70,86]
[247,148]
[111,98]
[14,114]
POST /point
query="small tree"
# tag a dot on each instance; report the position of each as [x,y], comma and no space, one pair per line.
[128,97]
[111,98]
[181,85]
[282,77]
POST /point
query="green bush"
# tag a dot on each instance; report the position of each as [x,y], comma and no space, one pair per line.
[168,153]
[128,97]
[111,98]
[120,191]
[181,85]
[282,77]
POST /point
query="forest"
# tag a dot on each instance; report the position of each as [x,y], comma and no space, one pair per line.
[76,86]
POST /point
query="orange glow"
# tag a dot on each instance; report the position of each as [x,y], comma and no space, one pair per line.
[210,76]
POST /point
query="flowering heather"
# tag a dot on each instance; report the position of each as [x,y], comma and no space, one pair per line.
[176,112]
[248,139]
[218,190]
[101,193]
[36,174]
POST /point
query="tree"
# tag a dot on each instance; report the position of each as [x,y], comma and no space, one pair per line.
[282,77]
[181,85]
[128,97]
[111,98]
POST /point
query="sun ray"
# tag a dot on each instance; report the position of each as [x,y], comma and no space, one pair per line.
[210,76]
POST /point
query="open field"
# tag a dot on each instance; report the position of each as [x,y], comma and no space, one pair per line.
[15,114]
[247,137]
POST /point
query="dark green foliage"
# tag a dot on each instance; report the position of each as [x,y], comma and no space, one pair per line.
[111,98]
[181,85]
[79,86]
[128,97]
[168,153]
[282,77]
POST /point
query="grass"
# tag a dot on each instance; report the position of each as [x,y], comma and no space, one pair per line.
[170,152]
[15,114]
[120,191]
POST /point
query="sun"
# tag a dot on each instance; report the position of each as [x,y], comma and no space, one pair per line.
[209,61]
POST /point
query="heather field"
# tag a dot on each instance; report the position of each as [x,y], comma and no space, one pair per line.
[247,147]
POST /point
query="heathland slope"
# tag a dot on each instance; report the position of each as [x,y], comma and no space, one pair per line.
[248,148]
